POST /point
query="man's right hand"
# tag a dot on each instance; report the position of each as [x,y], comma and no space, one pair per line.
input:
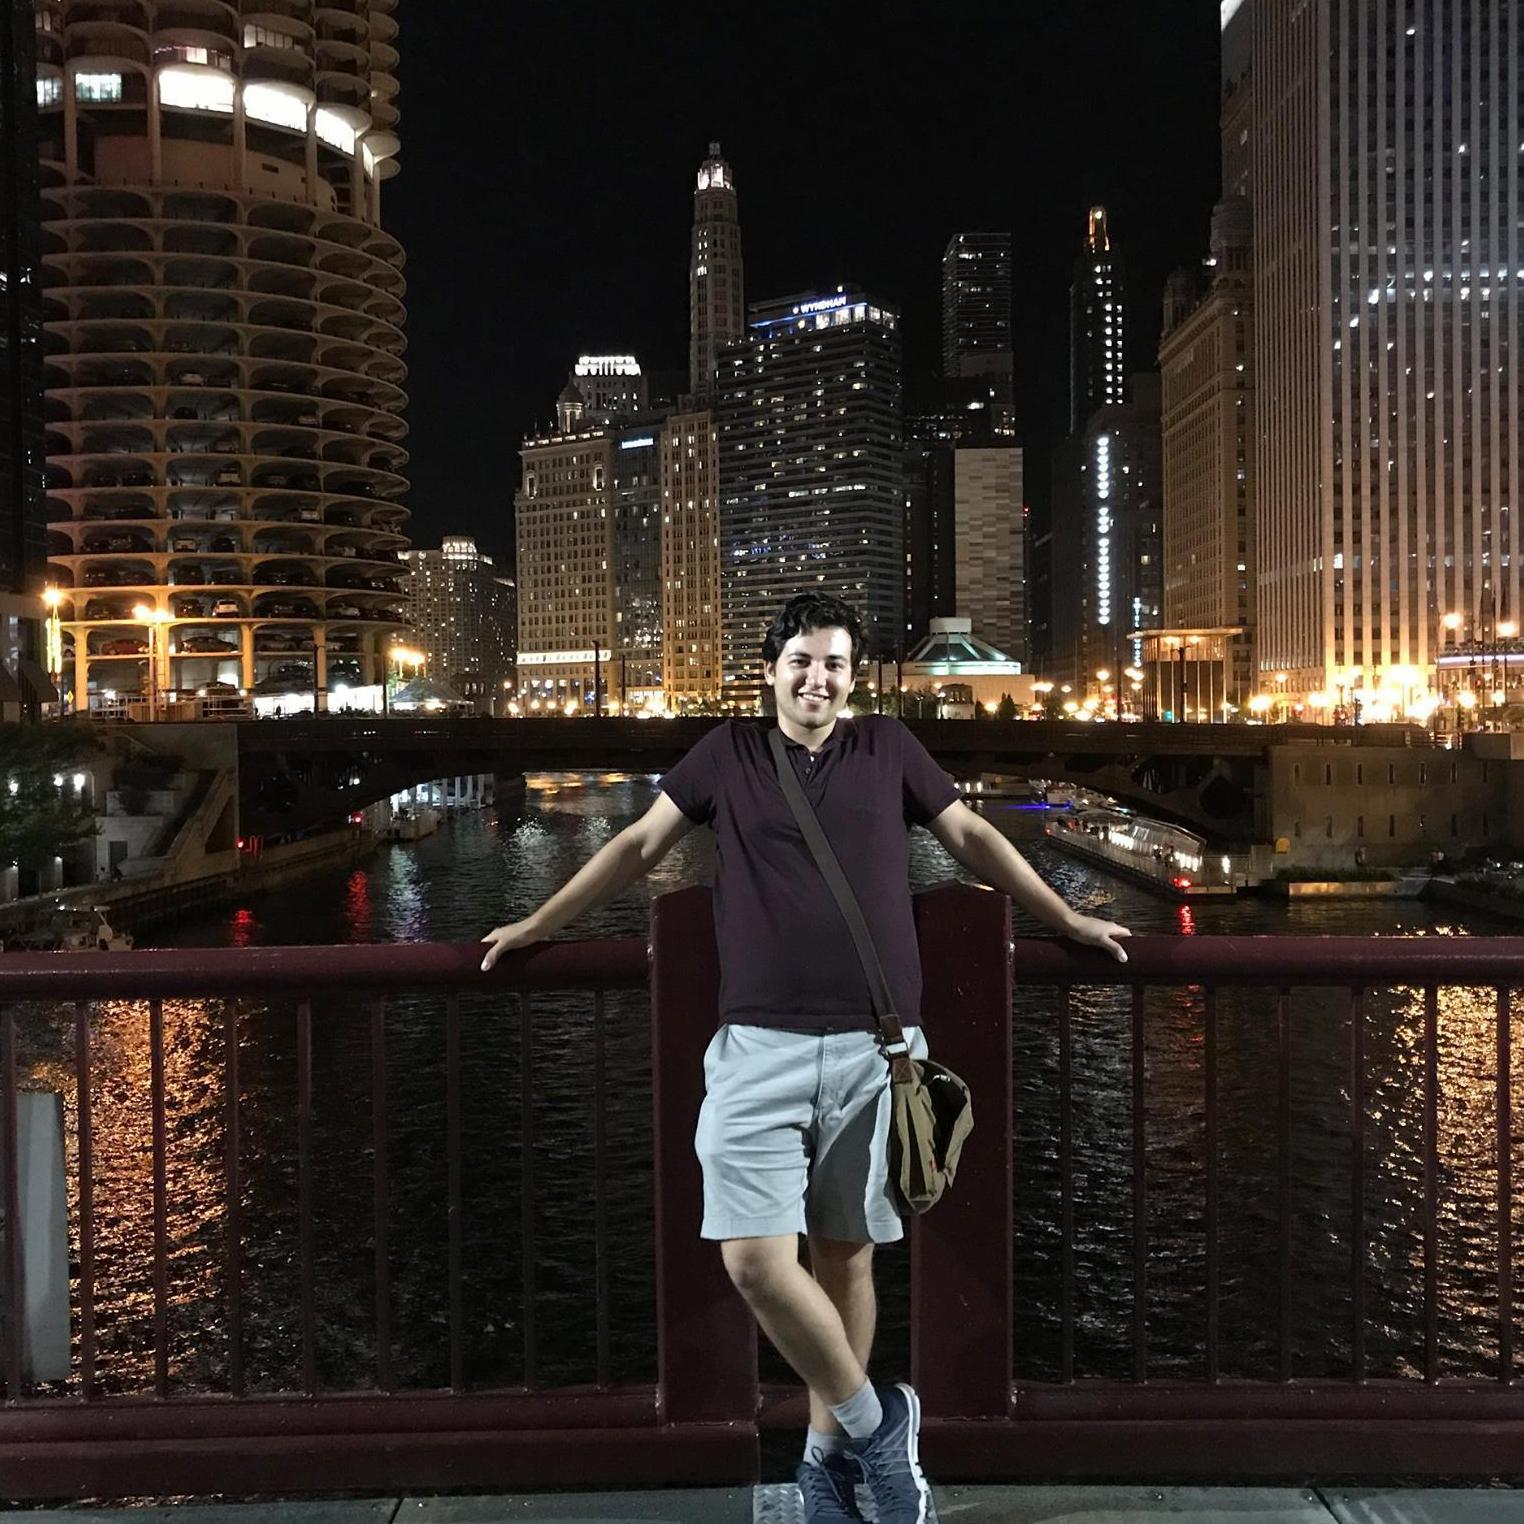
[509,938]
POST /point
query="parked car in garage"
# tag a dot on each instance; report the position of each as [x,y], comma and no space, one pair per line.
[225,608]
[202,645]
[128,645]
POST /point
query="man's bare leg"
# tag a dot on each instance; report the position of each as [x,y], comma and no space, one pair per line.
[797,1314]
[845,1274]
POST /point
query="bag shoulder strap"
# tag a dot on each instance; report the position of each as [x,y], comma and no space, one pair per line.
[889,1026]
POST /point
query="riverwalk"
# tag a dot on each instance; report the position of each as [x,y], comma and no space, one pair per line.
[954,1505]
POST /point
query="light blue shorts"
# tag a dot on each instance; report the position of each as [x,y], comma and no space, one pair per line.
[793,1135]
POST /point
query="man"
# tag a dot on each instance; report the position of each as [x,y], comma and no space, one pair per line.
[793,1131]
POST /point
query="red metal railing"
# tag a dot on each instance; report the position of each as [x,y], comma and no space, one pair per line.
[698,1421]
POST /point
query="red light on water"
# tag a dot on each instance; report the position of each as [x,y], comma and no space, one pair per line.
[1187,918]
[242,927]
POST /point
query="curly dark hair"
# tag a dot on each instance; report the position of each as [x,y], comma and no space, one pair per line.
[814,611]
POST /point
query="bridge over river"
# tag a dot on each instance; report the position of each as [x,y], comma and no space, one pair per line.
[302,773]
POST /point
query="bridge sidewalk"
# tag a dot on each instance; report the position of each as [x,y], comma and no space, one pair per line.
[954,1505]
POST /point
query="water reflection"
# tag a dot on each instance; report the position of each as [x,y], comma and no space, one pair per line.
[482,870]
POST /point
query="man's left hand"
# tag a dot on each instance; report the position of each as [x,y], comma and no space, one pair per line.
[1106,935]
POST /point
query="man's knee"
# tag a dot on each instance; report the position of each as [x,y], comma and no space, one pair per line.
[756,1264]
[838,1262]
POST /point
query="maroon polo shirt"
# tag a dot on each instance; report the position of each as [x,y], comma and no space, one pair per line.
[786,956]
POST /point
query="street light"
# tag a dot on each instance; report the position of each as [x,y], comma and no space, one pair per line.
[154,621]
[403,656]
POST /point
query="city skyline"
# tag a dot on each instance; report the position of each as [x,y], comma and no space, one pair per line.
[917,143]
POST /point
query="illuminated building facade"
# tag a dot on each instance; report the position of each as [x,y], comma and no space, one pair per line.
[811,475]
[565,572]
[716,285]
[989,536]
[464,619]
[637,546]
[1206,366]
[1108,561]
[690,561]
[1387,147]
[224,331]
[976,324]
[1097,331]
[589,577]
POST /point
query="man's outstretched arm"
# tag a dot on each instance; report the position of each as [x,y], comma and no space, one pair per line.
[609,871]
[974,842]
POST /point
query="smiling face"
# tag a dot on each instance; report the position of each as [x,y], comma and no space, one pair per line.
[811,681]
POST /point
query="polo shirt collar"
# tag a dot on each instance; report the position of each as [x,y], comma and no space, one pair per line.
[831,741]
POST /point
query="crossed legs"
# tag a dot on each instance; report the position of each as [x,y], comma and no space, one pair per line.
[821,1323]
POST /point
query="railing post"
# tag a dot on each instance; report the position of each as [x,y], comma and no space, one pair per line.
[706,1342]
[961,1253]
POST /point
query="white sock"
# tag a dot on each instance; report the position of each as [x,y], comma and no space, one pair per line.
[861,1413]
[818,1446]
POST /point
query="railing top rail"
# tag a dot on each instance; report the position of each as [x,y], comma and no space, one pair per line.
[1260,961]
[380,967]
[1276,961]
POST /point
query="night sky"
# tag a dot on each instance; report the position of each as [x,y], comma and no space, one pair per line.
[548,158]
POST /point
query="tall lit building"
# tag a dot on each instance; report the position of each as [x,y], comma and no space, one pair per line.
[716,289]
[811,480]
[565,571]
[965,526]
[24,688]
[690,444]
[224,331]
[989,533]
[976,323]
[1097,332]
[1206,365]
[637,540]
[690,561]
[589,571]
[1388,276]
[464,620]
[1107,545]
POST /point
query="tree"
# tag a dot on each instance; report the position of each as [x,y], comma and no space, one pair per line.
[1007,707]
[38,816]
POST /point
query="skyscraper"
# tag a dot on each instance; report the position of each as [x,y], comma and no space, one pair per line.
[811,481]
[989,532]
[1097,333]
[690,561]
[689,460]
[565,570]
[225,320]
[1206,364]
[716,301]
[22,527]
[1107,561]
[976,323]
[22,518]
[1388,276]
[590,544]
[463,618]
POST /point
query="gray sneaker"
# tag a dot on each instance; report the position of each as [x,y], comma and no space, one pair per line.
[828,1487]
[888,1457]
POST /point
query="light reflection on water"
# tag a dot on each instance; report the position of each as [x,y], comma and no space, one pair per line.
[479,871]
